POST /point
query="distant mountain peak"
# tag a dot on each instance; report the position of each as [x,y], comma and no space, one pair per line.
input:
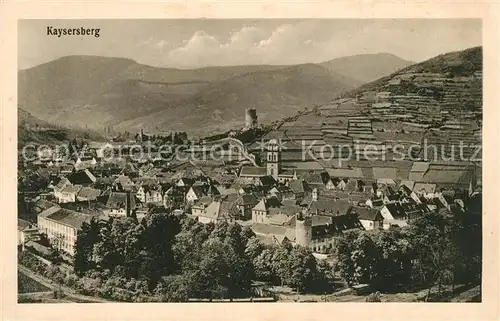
[367,67]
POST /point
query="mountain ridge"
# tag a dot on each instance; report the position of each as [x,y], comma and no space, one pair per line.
[119,92]
[469,60]
[367,67]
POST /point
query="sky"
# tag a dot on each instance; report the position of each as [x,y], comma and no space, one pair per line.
[193,43]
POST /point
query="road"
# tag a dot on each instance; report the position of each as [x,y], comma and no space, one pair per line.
[55,286]
[236,142]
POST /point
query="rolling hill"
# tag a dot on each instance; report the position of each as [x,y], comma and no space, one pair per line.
[451,64]
[99,92]
[368,67]
[34,130]
[435,106]
[276,94]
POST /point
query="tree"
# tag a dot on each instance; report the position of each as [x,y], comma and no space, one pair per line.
[324,278]
[466,233]
[220,230]
[87,237]
[247,234]
[235,238]
[302,268]
[393,262]
[263,265]
[31,181]
[344,262]
[173,288]
[254,247]
[158,239]
[365,258]
[280,262]
[434,251]
[44,240]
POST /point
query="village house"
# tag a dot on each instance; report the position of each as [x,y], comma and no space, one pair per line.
[82,177]
[393,215]
[26,232]
[282,192]
[245,203]
[323,205]
[425,190]
[150,194]
[401,214]
[85,161]
[59,185]
[223,190]
[287,208]
[266,182]
[174,196]
[196,192]
[66,169]
[370,218]
[300,188]
[88,194]
[123,182]
[128,169]
[222,208]
[68,194]
[185,182]
[200,206]
[319,180]
[142,212]
[120,204]
[327,230]
[61,227]
[49,173]
[260,212]
[248,173]
[318,233]
[406,189]
[375,202]
[286,176]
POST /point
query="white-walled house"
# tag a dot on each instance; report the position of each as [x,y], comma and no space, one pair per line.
[61,227]
[370,218]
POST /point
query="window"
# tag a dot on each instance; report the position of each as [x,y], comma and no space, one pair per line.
[272,171]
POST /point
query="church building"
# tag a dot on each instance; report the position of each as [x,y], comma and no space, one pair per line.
[273,166]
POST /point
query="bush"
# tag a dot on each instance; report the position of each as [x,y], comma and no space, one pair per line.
[51,272]
[71,280]
[89,286]
[119,294]
[105,291]
[374,297]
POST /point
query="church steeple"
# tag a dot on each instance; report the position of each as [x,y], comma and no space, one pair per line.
[273,159]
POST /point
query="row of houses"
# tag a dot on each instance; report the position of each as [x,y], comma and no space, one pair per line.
[310,206]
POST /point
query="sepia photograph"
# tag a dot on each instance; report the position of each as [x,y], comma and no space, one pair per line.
[249,160]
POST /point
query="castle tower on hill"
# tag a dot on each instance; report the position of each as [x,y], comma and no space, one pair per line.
[251,118]
[273,159]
